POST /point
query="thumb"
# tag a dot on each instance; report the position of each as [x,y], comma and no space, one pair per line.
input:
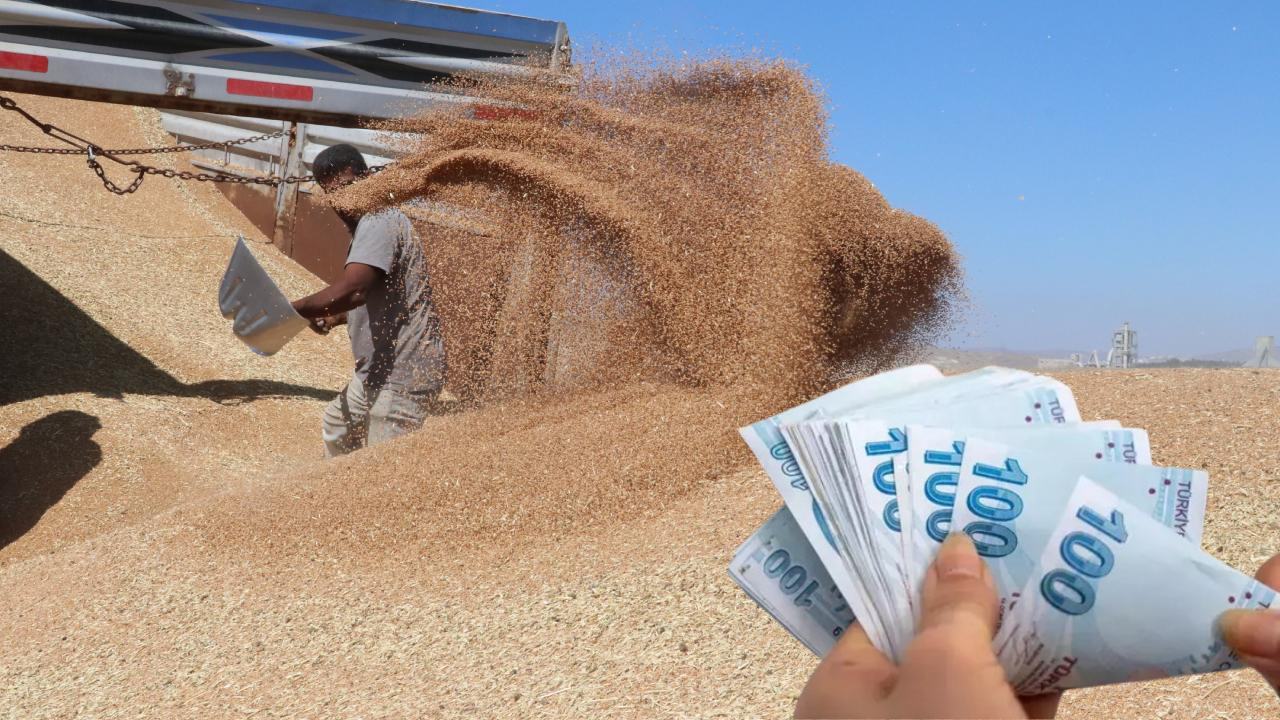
[951,658]
[1255,636]
[960,593]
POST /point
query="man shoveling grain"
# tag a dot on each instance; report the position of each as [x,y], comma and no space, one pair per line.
[384,296]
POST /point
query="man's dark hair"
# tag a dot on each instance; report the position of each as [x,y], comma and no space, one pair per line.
[334,159]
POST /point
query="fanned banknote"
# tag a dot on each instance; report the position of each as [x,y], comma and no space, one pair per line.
[1009,498]
[1116,597]
[933,471]
[778,568]
[850,471]
[766,442]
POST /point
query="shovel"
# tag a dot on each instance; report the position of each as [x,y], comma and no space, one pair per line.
[261,316]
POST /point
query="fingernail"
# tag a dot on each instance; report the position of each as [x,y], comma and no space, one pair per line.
[958,557]
[1252,632]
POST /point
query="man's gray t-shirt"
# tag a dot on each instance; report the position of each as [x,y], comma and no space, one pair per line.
[395,335]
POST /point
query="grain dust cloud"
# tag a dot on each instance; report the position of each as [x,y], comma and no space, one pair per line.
[665,220]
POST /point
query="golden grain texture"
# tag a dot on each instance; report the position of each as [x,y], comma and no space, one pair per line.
[625,609]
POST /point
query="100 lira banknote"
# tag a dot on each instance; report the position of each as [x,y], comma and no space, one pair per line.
[1116,596]
[934,465]
[1009,499]
[859,496]
[778,568]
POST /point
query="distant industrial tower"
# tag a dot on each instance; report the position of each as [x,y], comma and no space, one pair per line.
[1124,348]
[1264,353]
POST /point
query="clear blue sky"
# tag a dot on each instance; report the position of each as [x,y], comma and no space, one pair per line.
[1093,162]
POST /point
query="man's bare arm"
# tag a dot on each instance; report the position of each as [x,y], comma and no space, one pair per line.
[348,293]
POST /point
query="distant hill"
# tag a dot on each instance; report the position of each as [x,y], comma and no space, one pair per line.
[1236,356]
[952,360]
[1176,363]
[955,360]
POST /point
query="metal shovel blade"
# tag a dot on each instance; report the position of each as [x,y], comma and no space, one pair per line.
[261,316]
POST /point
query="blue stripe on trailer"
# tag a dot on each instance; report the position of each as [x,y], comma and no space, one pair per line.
[424,15]
[300,32]
[288,60]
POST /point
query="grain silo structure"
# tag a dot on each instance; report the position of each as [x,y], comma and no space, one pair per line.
[1264,353]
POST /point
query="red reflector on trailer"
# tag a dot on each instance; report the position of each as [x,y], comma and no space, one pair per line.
[493,112]
[279,91]
[23,61]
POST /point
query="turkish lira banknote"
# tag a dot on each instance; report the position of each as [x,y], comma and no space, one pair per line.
[852,477]
[778,569]
[1117,596]
[1009,497]
[765,440]
[933,472]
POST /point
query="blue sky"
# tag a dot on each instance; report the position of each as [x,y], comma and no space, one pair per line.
[1094,163]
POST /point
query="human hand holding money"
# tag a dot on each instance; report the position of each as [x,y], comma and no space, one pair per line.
[949,668]
[1074,524]
[1255,634]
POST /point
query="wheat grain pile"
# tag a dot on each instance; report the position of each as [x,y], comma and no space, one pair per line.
[552,553]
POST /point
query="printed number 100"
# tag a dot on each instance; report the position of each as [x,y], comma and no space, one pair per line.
[1088,558]
[791,578]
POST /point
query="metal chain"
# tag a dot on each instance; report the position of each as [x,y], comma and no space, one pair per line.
[92,151]
[202,146]
[106,182]
[145,151]
[41,150]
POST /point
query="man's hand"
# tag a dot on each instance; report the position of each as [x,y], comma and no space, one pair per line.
[1255,634]
[949,668]
[322,325]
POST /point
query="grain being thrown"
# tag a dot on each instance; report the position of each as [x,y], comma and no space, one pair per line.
[690,208]
[665,255]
